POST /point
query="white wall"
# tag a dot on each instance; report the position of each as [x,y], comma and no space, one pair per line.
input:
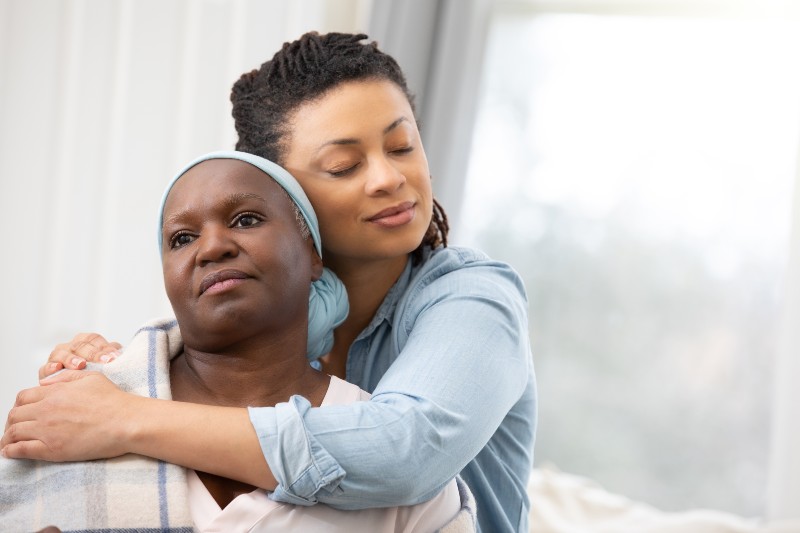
[101,101]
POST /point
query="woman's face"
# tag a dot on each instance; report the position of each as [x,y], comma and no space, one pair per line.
[235,263]
[357,153]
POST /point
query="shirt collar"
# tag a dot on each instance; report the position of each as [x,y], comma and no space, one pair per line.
[386,310]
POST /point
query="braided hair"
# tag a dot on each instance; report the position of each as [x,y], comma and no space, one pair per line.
[300,72]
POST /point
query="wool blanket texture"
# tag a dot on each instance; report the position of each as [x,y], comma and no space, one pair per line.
[130,493]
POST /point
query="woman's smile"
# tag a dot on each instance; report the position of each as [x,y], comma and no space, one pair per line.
[396,216]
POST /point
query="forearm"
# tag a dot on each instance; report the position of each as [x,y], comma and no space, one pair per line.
[217,440]
[88,417]
[433,410]
[343,455]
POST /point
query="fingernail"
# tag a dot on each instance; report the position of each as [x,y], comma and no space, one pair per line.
[53,366]
[77,362]
[108,357]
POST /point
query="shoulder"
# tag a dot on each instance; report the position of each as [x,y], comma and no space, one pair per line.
[143,366]
[460,271]
[165,324]
[167,327]
[460,284]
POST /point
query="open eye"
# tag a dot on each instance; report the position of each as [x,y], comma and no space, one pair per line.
[246,220]
[181,238]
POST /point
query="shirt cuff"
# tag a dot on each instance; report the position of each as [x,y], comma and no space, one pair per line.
[299,463]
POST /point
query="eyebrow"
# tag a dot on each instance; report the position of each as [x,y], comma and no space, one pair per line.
[228,203]
[348,141]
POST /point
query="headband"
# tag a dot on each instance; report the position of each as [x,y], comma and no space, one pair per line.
[327,299]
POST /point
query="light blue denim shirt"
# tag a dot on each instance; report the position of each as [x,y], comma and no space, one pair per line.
[448,362]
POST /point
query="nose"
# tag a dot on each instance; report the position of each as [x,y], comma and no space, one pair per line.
[216,244]
[383,177]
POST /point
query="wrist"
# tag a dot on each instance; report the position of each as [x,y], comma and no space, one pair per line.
[136,425]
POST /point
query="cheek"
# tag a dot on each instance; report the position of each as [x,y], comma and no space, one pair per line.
[175,284]
[335,208]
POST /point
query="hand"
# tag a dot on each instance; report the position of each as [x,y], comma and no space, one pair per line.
[74,354]
[74,416]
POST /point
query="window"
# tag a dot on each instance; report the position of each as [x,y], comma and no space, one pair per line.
[637,169]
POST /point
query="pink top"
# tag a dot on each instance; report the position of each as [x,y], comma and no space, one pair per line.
[254,512]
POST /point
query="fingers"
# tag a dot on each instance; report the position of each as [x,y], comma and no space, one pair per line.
[49,368]
[65,376]
[28,396]
[28,449]
[17,432]
[92,347]
[61,357]
[17,413]
[74,354]
[64,421]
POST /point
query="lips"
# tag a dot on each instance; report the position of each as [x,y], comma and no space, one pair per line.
[393,216]
[220,277]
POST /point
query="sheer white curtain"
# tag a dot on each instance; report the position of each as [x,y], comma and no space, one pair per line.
[783,495]
[100,103]
[540,147]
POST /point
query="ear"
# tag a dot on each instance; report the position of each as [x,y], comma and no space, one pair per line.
[316,262]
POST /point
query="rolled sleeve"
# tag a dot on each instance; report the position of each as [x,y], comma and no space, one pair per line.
[303,468]
[450,372]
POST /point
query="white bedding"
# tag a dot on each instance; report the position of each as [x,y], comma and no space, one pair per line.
[566,503]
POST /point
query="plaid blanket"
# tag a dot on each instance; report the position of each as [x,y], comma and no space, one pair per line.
[125,494]
[128,494]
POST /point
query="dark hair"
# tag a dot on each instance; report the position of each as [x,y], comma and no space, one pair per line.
[302,71]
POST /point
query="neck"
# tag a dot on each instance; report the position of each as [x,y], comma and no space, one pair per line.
[261,374]
[367,284]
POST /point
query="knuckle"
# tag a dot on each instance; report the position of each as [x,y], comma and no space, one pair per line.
[79,340]
[21,399]
[58,352]
[12,417]
[12,433]
[95,339]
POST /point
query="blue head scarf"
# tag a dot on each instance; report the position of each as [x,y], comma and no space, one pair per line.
[327,300]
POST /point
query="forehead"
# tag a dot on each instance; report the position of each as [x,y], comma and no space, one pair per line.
[219,179]
[349,107]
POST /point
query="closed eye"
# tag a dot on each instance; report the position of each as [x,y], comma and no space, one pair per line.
[343,172]
[401,151]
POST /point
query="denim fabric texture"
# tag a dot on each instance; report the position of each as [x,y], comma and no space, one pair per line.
[447,359]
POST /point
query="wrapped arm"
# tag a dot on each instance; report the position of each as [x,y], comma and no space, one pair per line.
[462,361]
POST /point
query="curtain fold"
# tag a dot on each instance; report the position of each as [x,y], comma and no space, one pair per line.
[440,45]
[100,102]
[783,491]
